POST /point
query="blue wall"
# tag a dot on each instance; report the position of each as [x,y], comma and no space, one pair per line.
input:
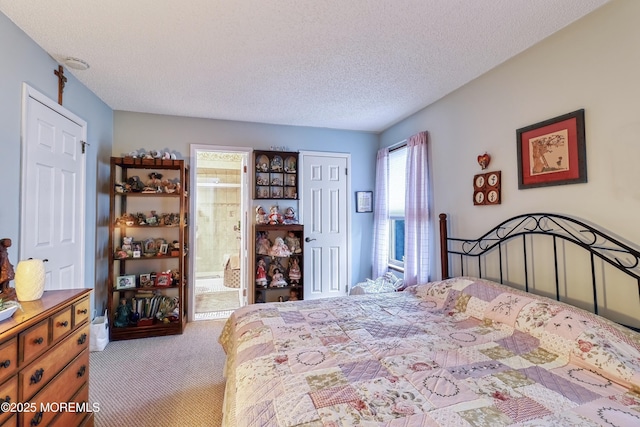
[25,61]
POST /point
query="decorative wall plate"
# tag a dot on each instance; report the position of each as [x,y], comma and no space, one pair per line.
[486,188]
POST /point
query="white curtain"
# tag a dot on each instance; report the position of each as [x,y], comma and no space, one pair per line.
[381,215]
[416,225]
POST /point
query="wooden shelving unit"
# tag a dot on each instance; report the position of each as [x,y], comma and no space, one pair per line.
[276,175]
[269,292]
[141,223]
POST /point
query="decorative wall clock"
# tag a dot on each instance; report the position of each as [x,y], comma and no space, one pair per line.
[486,188]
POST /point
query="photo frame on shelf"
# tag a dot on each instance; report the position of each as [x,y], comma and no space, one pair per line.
[146,281]
[552,152]
[163,280]
[364,201]
[150,246]
[136,249]
[163,248]
[159,243]
[126,282]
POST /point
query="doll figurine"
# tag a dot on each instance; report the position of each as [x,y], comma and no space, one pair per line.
[263,245]
[261,215]
[293,295]
[294,272]
[279,248]
[155,181]
[7,273]
[293,243]
[261,273]
[122,314]
[274,216]
[290,216]
[277,279]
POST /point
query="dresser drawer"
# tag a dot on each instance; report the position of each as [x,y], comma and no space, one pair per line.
[35,376]
[11,422]
[80,312]
[69,418]
[60,324]
[8,393]
[61,389]
[34,341]
[8,358]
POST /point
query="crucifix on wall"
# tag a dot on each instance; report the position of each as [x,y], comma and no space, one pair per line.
[61,82]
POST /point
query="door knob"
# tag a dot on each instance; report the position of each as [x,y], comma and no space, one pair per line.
[309,240]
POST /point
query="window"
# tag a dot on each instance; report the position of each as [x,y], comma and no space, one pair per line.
[397,184]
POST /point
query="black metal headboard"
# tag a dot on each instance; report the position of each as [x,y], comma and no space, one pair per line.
[598,244]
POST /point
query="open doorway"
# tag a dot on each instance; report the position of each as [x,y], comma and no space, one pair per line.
[219,215]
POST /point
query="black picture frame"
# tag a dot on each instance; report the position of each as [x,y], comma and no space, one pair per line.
[562,139]
[364,201]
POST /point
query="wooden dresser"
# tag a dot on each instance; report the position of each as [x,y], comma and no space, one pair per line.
[44,362]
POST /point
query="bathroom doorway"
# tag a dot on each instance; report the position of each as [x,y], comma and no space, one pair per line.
[218,255]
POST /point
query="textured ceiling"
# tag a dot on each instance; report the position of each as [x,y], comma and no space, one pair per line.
[343,64]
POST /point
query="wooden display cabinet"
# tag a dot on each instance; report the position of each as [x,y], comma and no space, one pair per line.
[276,175]
[268,286]
[148,237]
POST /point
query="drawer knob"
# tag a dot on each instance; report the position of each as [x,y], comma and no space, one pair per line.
[39,340]
[37,419]
[82,339]
[81,371]
[5,364]
[5,400]
[37,376]
[83,311]
[64,324]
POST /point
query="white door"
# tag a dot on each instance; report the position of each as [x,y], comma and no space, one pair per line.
[53,190]
[326,216]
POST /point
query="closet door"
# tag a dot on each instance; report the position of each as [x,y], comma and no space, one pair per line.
[326,218]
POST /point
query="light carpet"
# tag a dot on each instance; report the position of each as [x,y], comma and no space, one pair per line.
[161,381]
[217,301]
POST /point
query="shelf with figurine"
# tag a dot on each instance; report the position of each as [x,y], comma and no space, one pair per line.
[153,219]
[148,193]
[276,175]
[278,256]
[144,309]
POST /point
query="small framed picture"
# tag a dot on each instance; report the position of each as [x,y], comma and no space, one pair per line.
[145,280]
[364,201]
[150,246]
[163,279]
[126,282]
[163,248]
[159,243]
[136,248]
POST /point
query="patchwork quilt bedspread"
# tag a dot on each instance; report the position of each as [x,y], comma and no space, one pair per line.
[459,352]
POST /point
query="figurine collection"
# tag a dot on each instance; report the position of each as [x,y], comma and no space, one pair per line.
[274,217]
[155,184]
[270,271]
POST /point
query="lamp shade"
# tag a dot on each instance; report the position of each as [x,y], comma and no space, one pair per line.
[29,280]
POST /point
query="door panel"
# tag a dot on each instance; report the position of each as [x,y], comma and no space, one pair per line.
[53,210]
[325,216]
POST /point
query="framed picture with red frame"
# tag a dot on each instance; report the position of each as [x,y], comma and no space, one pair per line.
[163,280]
[552,152]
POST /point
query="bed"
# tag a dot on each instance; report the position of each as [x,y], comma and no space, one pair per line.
[477,348]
